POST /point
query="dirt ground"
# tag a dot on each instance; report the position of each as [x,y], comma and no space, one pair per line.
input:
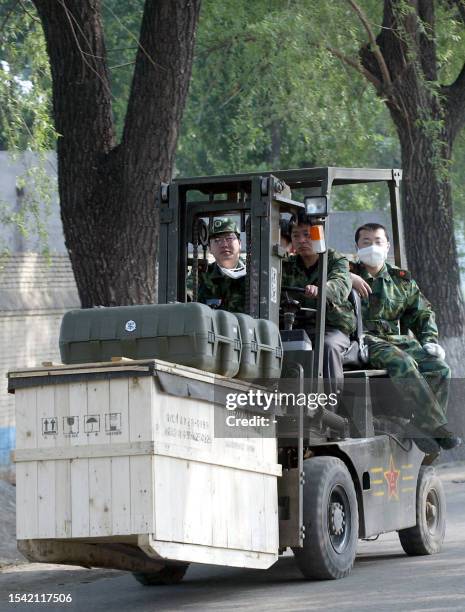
[8,553]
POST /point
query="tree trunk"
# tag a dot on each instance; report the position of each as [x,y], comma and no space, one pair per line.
[403,67]
[107,191]
[428,217]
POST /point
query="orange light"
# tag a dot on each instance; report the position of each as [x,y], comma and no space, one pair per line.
[316,232]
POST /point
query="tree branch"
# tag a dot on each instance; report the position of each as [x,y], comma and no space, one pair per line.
[454,93]
[374,45]
[138,43]
[82,101]
[357,66]
[225,43]
[426,40]
[159,88]
[459,5]
[8,15]
[455,103]
[27,12]
[75,29]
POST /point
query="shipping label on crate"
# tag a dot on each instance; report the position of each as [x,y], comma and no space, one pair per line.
[189,423]
[107,424]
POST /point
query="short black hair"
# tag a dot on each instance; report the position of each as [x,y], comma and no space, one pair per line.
[302,218]
[370,227]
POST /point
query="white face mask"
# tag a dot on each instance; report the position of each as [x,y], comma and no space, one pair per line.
[236,272]
[373,255]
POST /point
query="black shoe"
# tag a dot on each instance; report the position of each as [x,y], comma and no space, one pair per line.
[425,441]
[427,445]
[446,438]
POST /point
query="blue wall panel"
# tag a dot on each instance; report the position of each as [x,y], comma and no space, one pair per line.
[7,444]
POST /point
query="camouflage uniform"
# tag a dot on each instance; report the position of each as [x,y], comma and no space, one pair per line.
[220,291]
[339,311]
[215,288]
[340,317]
[395,306]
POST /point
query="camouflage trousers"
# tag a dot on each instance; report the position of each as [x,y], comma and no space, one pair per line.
[421,379]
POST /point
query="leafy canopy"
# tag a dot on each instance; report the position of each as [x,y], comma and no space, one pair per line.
[267,88]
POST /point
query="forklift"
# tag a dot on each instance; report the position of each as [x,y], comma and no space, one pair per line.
[346,475]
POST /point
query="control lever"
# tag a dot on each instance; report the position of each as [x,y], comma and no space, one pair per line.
[291,307]
[289,300]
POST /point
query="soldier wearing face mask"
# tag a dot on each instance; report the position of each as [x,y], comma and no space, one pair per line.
[392,304]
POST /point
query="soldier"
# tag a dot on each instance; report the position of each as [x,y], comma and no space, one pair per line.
[301,270]
[391,304]
[222,285]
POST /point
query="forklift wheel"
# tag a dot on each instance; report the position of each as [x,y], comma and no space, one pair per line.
[170,574]
[330,518]
[426,537]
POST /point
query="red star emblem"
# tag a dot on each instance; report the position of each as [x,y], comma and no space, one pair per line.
[392,476]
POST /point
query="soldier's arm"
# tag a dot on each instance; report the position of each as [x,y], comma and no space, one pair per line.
[339,283]
[419,316]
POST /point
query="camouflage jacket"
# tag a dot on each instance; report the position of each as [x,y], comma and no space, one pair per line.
[396,304]
[220,291]
[339,311]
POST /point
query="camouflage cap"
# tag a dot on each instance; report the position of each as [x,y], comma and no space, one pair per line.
[224,225]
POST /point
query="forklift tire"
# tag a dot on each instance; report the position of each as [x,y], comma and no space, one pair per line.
[427,536]
[330,513]
[170,574]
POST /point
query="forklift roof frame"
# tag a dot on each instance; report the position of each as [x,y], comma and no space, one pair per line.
[325,178]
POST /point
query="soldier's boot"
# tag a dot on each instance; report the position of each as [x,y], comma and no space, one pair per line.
[424,440]
[446,438]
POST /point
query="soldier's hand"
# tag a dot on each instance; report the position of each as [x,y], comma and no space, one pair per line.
[435,350]
[360,285]
[311,291]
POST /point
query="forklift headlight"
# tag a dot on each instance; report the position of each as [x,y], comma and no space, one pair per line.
[316,205]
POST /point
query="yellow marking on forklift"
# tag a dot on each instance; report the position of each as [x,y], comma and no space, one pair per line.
[407,477]
[376,470]
[378,493]
[378,481]
[406,467]
[408,489]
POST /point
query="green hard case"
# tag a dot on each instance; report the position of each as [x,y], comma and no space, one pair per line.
[187,334]
[262,352]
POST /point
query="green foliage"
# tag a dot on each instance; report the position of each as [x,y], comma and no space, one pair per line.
[450,42]
[25,84]
[267,93]
[25,116]
[35,188]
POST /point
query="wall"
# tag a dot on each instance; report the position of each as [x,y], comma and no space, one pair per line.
[34,294]
[26,181]
[34,291]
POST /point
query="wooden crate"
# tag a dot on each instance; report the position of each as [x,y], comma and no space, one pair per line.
[103,454]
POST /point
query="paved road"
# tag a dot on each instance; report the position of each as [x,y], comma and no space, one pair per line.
[384,578]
